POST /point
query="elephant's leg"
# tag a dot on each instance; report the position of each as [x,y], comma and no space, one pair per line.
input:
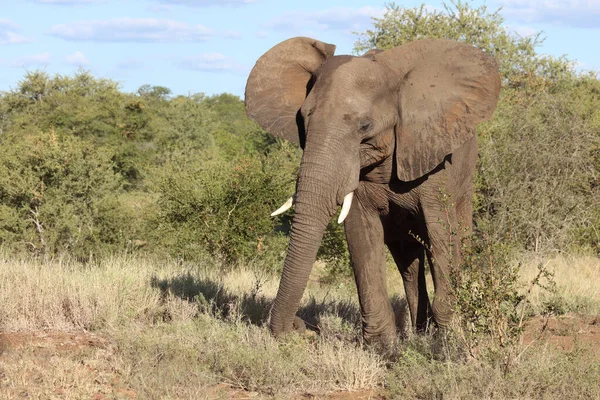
[364,233]
[464,215]
[410,259]
[444,255]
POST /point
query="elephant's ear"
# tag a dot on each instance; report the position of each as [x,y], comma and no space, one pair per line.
[445,88]
[279,83]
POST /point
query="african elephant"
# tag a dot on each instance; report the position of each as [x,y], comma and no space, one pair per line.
[391,137]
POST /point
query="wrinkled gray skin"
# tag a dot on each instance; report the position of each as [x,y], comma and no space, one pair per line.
[397,128]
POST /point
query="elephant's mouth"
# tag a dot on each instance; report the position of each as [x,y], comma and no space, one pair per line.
[346,204]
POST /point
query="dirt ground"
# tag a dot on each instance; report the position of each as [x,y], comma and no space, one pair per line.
[59,365]
[67,365]
[565,332]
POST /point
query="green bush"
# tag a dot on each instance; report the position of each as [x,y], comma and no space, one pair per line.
[221,208]
[334,251]
[184,124]
[80,105]
[83,106]
[89,168]
[537,181]
[58,194]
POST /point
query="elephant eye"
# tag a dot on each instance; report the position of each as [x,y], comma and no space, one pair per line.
[364,125]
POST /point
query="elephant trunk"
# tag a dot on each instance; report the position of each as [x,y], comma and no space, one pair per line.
[316,202]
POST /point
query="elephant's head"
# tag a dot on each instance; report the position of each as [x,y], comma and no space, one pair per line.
[399,112]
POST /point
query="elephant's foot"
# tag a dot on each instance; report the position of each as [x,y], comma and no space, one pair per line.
[385,339]
[384,345]
[441,309]
[424,323]
[446,346]
[299,325]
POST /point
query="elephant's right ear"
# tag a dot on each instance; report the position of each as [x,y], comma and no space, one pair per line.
[279,83]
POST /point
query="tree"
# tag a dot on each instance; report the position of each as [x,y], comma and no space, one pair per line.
[157,92]
[518,58]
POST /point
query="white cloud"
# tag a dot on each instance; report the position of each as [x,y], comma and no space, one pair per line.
[35,60]
[132,30]
[8,33]
[77,58]
[204,3]
[575,13]
[339,18]
[211,62]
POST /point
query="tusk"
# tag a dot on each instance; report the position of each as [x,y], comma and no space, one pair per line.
[346,207]
[286,206]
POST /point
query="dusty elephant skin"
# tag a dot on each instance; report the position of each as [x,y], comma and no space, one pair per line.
[395,128]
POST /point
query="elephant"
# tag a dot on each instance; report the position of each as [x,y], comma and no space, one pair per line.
[391,137]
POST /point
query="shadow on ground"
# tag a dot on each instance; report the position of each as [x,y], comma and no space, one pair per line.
[213,298]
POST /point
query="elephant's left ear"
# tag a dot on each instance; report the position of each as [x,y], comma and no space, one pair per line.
[445,88]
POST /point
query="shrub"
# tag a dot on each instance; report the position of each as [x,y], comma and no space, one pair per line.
[80,105]
[83,157]
[221,208]
[490,301]
[537,181]
[58,193]
[334,251]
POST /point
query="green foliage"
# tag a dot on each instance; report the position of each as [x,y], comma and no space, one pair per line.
[154,92]
[88,168]
[58,194]
[182,125]
[490,302]
[538,176]
[221,208]
[334,251]
[80,106]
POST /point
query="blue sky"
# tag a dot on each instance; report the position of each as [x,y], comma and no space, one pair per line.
[210,46]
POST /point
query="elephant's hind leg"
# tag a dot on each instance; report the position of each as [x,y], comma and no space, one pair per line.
[410,259]
[444,257]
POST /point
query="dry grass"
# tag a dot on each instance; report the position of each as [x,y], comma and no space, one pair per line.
[167,331]
[577,282]
[181,329]
[59,366]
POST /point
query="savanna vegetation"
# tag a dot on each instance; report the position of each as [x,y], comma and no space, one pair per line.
[143,219]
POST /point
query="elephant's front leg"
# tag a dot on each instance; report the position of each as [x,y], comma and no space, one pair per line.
[364,233]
